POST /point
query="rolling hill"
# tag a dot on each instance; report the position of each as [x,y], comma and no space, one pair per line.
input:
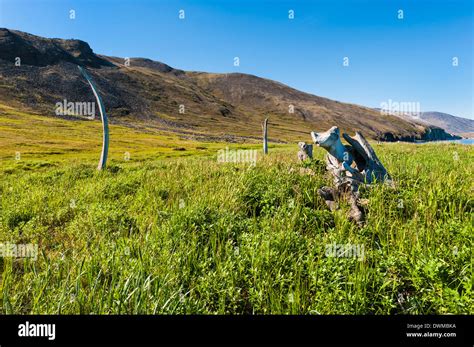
[152,96]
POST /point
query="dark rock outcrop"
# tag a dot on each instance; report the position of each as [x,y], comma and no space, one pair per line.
[430,134]
[37,51]
[438,134]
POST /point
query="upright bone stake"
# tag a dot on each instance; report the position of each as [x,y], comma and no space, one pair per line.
[265,136]
[105,122]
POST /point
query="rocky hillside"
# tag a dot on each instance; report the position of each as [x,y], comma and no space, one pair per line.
[450,123]
[150,95]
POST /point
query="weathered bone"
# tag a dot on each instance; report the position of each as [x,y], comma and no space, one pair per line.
[371,164]
[105,122]
[331,142]
[351,166]
[265,136]
[305,152]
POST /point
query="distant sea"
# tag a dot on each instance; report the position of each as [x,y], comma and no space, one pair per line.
[462,141]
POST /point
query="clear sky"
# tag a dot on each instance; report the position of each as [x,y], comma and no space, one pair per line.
[403,60]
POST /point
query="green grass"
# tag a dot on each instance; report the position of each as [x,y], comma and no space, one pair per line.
[190,235]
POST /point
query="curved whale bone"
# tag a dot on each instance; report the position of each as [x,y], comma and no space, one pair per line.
[103,116]
[351,166]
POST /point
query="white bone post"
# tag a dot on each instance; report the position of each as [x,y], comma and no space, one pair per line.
[105,123]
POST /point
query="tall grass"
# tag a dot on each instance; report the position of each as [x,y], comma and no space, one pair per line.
[183,236]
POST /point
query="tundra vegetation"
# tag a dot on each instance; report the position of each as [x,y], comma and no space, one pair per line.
[169,229]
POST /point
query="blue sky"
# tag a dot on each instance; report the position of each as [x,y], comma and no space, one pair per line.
[404,60]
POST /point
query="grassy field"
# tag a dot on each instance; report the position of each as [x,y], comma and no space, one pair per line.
[163,233]
[44,140]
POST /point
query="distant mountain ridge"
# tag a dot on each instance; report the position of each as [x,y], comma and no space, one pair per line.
[151,95]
